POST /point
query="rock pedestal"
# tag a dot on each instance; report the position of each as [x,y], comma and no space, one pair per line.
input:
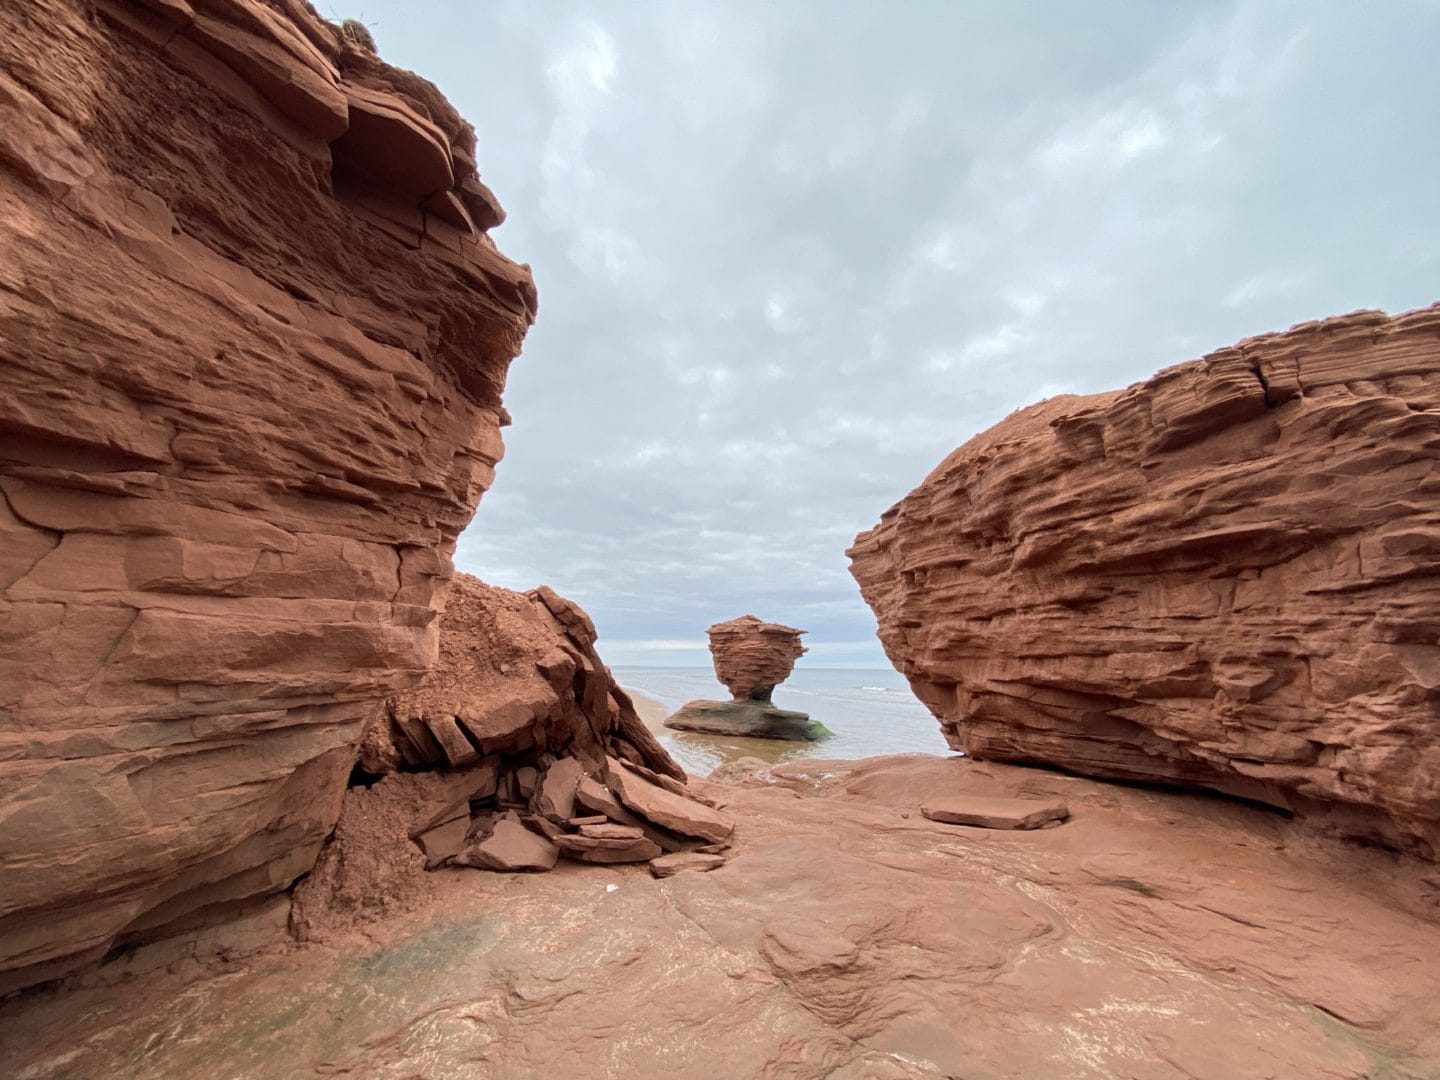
[747,719]
[751,657]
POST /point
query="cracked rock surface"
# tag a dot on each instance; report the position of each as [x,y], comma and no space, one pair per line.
[1157,936]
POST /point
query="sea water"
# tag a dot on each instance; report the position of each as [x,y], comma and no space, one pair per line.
[870,712]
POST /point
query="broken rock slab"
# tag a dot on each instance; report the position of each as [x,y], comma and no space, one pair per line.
[994,812]
[684,861]
[677,813]
[510,846]
[556,799]
[445,841]
[594,795]
[601,850]
[609,831]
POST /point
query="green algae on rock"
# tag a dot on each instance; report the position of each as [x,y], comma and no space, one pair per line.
[749,719]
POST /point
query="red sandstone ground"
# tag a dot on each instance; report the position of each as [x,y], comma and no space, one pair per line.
[1153,935]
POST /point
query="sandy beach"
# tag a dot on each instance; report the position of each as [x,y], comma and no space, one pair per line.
[651,710]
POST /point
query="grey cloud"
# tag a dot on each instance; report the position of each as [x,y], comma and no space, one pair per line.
[791,254]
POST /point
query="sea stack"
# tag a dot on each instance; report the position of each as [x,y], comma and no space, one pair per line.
[751,657]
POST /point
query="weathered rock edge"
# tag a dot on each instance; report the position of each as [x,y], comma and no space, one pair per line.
[253,337]
[1227,576]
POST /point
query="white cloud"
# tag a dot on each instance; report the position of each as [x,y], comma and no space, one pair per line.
[1109,140]
[1262,287]
[786,264]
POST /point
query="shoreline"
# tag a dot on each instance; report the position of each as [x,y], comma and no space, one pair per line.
[651,710]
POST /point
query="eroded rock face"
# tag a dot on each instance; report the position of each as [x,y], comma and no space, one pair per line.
[252,343]
[752,656]
[516,749]
[518,676]
[1227,576]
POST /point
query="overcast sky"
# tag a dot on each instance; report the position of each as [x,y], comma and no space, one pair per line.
[789,254]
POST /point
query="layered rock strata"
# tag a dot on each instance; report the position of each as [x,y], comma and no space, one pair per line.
[253,336]
[1227,576]
[1156,935]
[751,657]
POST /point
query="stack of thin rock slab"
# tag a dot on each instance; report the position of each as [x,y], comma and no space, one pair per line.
[528,817]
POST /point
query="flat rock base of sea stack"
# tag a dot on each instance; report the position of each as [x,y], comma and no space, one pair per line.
[995,813]
[746,719]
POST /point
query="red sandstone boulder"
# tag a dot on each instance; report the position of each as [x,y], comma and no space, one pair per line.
[1227,576]
[510,847]
[678,812]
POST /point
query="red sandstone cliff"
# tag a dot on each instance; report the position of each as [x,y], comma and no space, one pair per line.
[1227,576]
[253,336]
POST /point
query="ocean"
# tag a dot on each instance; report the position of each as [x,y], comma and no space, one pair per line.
[870,710]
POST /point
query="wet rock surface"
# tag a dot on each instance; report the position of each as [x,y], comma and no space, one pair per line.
[1227,576]
[1156,935]
[251,396]
[749,719]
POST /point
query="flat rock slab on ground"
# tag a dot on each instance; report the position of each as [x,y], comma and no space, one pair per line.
[511,846]
[683,862]
[993,812]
